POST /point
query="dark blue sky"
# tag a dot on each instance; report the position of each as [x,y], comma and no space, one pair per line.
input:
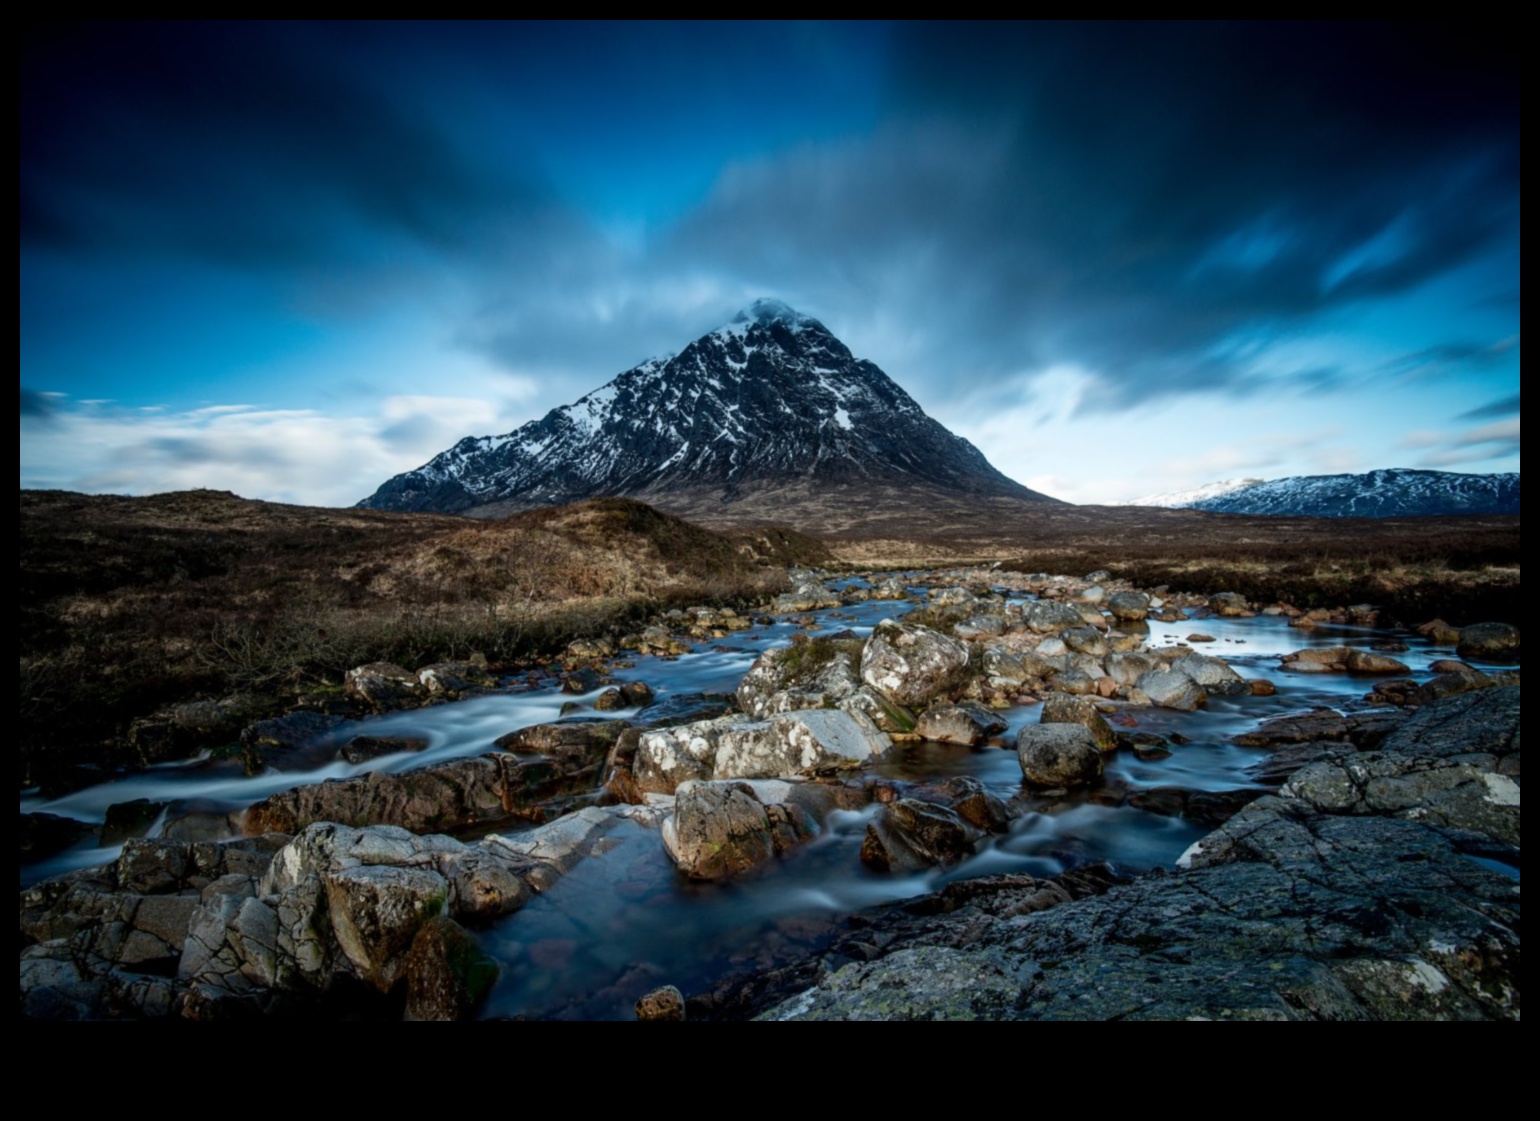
[291,260]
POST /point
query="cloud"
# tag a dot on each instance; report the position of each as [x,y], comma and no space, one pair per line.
[295,455]
[1503,406]
[1489,441]
[37,406]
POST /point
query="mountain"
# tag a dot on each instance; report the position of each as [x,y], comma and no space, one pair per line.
[767,411]
[1393,492]
[1181,499]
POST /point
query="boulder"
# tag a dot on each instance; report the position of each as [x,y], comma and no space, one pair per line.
[912,665]
[1085,640]
[663,1003]
[1046,616]
[1061,708]
[1058,755]
[966,723]
[810,673]
[1172,689]
[1214,676]
[362,749]
[450,679]
[1489,642]
[448,974]
[909,834]
[383,685]
[721,829]
[1382,665]
[300,741]
[1229,604]
[1129,606]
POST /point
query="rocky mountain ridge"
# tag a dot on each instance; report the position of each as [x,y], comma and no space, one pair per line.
[770,400]
[1387,493]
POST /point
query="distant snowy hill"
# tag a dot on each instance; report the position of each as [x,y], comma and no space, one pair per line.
[769,400]
[1177,499]
[1393,492]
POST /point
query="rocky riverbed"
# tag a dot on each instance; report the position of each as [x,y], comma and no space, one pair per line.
[941,741]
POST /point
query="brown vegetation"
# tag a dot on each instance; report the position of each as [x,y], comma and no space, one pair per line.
[129,604]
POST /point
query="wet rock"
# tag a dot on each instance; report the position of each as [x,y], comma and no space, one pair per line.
[1366,662]
[573,744]
[361,749]
[1060,708]
[183,729]
[443,797]
[1448,685]
[582,680]
[592,649]
[1436,791]
[1200,638]
[663,1003]
[1362,729]
[1085,640]
[637,694]
[721,829]
[45,834]
[609,700]
[1440,633]
[807,597]
[383,685]
[1127,668]
[300,741]
[810,673]
[451,679]
[790,743]
[1046,616]
[1129,606]
[686,708]
[448,974]
[130,819]
[1058,755]
[1172,689]
[912,665]
[909,835]
[1229,605]
[1489,642]
[871,705]
[961,723]
[1214,676]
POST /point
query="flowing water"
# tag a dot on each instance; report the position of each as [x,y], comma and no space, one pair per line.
[620,925]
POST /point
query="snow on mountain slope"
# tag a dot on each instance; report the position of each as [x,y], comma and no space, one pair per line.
[1392,492]
[770,396]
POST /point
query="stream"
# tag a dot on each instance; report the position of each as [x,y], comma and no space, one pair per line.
[621,925]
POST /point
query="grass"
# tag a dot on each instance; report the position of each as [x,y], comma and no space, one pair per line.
[128,605]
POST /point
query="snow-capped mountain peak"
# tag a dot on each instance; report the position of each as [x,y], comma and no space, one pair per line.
[770,397]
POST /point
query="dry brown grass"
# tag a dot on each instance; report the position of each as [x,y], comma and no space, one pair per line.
[128,604]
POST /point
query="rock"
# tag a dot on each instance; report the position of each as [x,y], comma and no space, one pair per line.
[1093,593]
[1200,638]
[609,700]
[1129,606]
[637,694]
[376,912]
[443,797]
[807,597]
[1075,681]
[1172,689]
[573,744]
[447,972]
[965,723]
[1440,633]
[300,741]
[450,679]
[949,597]
[1046,616]
[871,705]
[582,680]
[1060,708]
[1085,640]
[1058,755]
[1489,642]
[721,829]
[1365,662]
[790,743]
[44,834]
[1437,791]
[982,626]
[1362,729]
[908,835]
[912,665]
[686,708]
[1127,668]
[810,673]
[361,749]
[383,685]
[592,649]
[1229,604]
[130,819]
[663,1003]
[1214,676]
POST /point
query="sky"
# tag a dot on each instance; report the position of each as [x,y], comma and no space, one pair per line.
[292,260]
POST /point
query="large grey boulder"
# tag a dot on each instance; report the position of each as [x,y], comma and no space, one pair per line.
[1063,708]
[810,673]
[1129,606]
[1171,688]
[721,829]
[912,665]
[1047,616]
[1214,676]
[790,743]
[1058,755]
